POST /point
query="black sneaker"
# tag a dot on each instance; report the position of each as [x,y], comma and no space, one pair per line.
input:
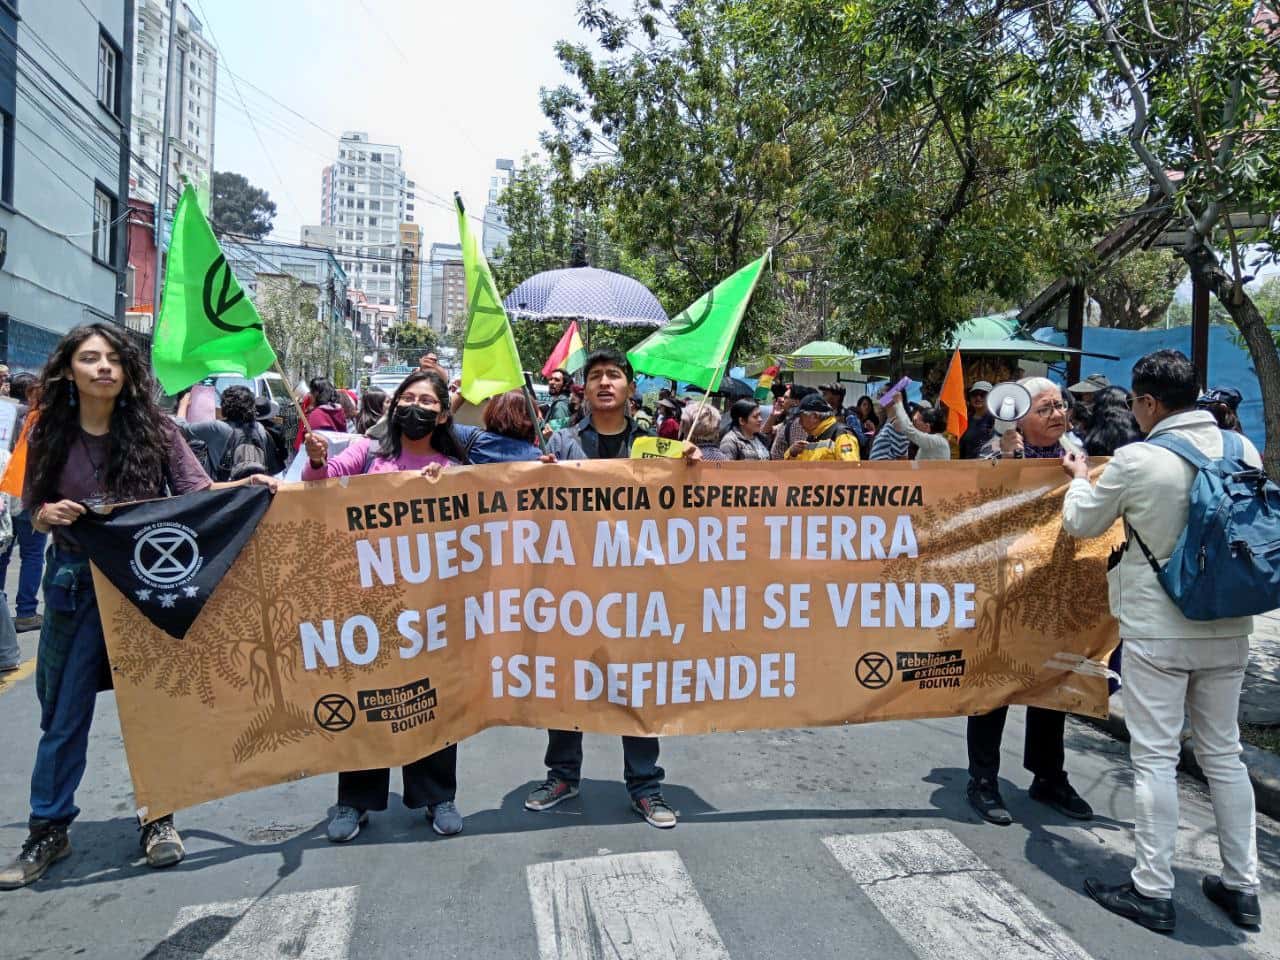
[41,850]
[984,797]
[162,844]
[549,793]
[1150,912]
[1059,794]
[1243,908]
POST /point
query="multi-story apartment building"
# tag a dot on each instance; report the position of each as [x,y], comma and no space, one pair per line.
[64,171]
[448,288]
[496,232]
[410,270]
[193,85]
[365,195]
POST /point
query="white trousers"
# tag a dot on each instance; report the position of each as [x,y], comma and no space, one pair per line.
[1163,679]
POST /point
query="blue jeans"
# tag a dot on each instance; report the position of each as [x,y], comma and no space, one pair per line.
[72,666]
[30,545]
[9,653]
[639,761]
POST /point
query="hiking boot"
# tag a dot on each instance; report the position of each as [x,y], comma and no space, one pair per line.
[551,792]
[1123,899]
[345,824]
[1243,908]
[1059,794]
[162,844]
[24,624]
[655,811]
[984,797]
[41,850]
[445,818]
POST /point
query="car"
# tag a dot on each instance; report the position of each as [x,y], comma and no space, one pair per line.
[270,385]
[389,378]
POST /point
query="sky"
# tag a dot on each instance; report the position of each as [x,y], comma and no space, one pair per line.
[453,83]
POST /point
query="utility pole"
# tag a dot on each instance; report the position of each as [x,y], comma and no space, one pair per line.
[162,199]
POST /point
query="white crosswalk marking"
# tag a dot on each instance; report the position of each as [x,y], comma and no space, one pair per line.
[315,925]
[633,905]
[945,902]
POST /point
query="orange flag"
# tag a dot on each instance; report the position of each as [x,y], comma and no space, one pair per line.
[15,470]
[953,396]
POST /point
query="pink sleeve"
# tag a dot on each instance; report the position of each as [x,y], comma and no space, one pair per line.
[349,463]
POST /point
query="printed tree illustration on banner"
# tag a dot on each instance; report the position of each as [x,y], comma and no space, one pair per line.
[247,635]
[1025,570]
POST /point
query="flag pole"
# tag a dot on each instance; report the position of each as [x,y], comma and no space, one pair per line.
[533,412]
[302,417]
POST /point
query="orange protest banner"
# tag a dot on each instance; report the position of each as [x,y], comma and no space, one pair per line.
[369,622]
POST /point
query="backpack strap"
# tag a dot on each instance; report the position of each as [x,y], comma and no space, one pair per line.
[1133,535]
[1232,446]
[1183,448]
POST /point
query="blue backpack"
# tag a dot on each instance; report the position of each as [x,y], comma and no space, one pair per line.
[1227,560]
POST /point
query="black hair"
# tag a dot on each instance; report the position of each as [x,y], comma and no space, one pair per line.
[742,409]
[1226,417]
[140,434]
[239,405]
[1110,424]
[799,391]
[323,393]
[18,386]
[935,418]
[373,404]
[443,439]
[608,355]
[1168,376]
[778,388]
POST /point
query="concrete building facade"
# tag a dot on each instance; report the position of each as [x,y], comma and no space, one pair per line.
[410,269]
[496,232]
[64,147]
[192,94]
[365,195]
[448,287]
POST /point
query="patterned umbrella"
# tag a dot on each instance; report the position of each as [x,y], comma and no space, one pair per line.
[587,294]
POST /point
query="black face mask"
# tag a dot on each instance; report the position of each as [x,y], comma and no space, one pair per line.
[415,422]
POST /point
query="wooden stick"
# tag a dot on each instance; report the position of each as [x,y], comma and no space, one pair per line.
[302,417]
[533,412]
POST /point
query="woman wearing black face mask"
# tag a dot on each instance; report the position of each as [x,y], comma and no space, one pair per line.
[418,434]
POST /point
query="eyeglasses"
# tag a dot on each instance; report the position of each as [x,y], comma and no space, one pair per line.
[425,400]
[1049,409]
[1129,400]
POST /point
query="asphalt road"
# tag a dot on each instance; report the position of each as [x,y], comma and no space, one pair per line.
[840,843]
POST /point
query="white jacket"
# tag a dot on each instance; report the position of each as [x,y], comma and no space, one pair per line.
[1150,487]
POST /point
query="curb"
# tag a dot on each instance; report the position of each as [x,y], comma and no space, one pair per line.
[1263,767]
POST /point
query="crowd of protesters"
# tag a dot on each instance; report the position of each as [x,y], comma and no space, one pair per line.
[95,435]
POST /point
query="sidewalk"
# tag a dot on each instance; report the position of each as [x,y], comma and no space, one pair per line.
[1259,704]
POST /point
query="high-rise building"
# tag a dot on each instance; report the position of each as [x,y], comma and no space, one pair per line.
[448,287]
[496,232]
[410,268]
[365,196]
[192,94]
[64,172]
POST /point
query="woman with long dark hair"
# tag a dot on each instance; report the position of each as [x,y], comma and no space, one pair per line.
[743,442]
[419,434]
[323,406]
[98,438]
[1110,423]
[373,406]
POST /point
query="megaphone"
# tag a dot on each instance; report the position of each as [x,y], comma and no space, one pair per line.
[1008,402]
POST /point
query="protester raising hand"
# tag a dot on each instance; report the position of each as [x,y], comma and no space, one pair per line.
[317,450]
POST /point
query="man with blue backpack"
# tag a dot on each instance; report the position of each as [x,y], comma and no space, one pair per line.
[1202,556]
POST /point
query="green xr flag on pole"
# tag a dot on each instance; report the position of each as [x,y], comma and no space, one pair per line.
[695,345]
[490,361]
[206,324]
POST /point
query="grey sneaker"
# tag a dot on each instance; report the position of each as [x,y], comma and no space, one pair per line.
[41,850]
[655,811]
[24,624]
[445,818]
[345,824]
[549,793]
[162,844]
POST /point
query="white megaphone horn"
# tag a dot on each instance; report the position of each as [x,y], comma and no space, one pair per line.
[1008,402]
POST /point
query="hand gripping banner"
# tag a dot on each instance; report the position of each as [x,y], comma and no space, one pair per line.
[368,622]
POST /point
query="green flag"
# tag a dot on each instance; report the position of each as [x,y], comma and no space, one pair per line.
[490,361]
[695,345]
[206,323]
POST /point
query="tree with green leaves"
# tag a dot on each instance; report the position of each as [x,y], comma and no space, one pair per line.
[1137,291]
[409,335]
[240,208]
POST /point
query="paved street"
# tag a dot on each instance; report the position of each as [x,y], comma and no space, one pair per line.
[810,843]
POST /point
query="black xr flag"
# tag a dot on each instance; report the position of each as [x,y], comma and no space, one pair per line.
[168,556]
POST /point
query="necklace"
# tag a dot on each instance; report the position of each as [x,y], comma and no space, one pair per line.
[97,467]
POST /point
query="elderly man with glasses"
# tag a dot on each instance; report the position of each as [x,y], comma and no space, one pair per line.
[1036,437]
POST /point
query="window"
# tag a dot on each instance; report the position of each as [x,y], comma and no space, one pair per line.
[6,158]
[375,157]
[108,72]
[104,216]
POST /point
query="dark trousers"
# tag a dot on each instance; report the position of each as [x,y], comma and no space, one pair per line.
[639,761]
[30,545]
[428,781]
[1042,751]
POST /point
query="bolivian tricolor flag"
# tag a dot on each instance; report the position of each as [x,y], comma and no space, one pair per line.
[569,354]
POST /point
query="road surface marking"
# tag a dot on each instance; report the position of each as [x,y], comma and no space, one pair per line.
[11,678]
[630,905]
[945,902]
[315,925]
